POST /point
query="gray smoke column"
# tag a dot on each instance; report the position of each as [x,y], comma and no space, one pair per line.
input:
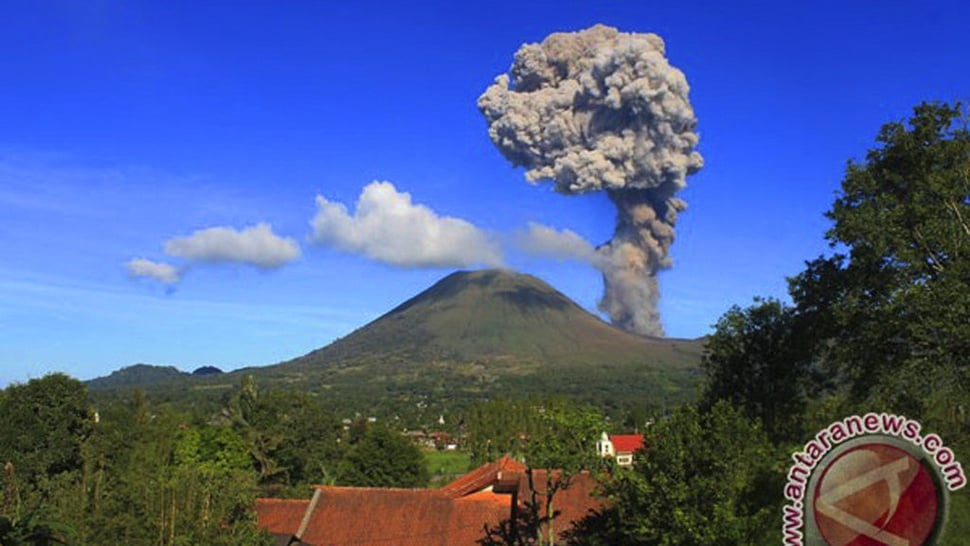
[601,110]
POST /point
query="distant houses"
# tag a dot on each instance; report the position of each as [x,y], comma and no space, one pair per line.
[490,501]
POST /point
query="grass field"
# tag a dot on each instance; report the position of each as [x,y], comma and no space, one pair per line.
[445,466]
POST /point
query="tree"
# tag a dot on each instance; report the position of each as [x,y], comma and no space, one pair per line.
[708,478]
[890,310]
[309,448]
[210,487]
[153,475]
[563,445]
[293,440]
[760,360]
[381,457]
[556,438]
[44,424]
[249,416]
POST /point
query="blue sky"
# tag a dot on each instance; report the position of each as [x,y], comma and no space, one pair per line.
[201,134]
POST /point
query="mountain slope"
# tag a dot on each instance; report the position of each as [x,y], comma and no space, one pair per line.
[472,336]
[498,315]
[498,333]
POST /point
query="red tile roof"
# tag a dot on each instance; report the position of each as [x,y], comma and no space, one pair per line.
[485,476]
[627,443]
[570,504]
[419,517]
[454,515]
[281,517]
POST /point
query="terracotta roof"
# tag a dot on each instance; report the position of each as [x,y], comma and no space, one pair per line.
[347,516]
[570,504]
[281,517]
[627,443]
[454,515]
[484,476]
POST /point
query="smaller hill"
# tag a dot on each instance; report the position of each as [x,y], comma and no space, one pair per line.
[137,375]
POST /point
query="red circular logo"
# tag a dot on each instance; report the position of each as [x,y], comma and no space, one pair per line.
[876,494]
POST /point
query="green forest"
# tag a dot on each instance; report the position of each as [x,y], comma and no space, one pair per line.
[880,323]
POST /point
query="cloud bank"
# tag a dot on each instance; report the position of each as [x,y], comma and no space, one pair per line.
[386,226]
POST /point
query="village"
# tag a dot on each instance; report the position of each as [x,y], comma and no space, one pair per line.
[485,506]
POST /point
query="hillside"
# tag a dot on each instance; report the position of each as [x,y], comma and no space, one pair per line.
[482,334]
[493,332]
[137,375]
[498,316]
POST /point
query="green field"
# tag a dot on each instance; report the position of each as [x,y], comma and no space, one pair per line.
[445,466]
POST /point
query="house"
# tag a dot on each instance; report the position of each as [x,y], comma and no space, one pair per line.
[492,497]
[619,446]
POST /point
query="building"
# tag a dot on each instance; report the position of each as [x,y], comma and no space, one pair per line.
[619,446]
[491,497]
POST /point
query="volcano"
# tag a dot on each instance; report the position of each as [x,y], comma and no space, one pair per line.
[473,335]
[473,329]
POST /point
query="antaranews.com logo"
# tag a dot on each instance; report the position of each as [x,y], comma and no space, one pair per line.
[870,480]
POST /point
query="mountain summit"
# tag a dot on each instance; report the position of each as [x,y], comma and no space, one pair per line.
[491,314]
[500,326]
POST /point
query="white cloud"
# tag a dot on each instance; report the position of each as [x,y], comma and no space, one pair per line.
[161,272]
[388,227]
[256,245]
[541,240]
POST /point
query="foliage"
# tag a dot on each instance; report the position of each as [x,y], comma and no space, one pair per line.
[499,427]
[553,435]
[760,360]
[709,479]
[890,310]
[44,423]
[138,475]
[28,531]
[885,318]
[380,457]
[564,437]
[291,437]
[545,432]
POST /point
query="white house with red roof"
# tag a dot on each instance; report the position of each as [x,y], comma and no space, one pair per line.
[619,446]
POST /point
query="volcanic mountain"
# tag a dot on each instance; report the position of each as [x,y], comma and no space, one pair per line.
[494,331]
[473,335]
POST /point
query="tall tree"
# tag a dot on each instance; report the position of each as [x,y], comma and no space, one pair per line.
[709,479]
[557,439]
[44,423]
[760,360]
[501,427]
[891,307]
[381,457]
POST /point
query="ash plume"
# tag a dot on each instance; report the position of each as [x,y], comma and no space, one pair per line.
[601,110]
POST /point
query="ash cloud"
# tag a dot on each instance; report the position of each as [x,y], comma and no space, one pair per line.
[601,110]
[387,226]
[541,240]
